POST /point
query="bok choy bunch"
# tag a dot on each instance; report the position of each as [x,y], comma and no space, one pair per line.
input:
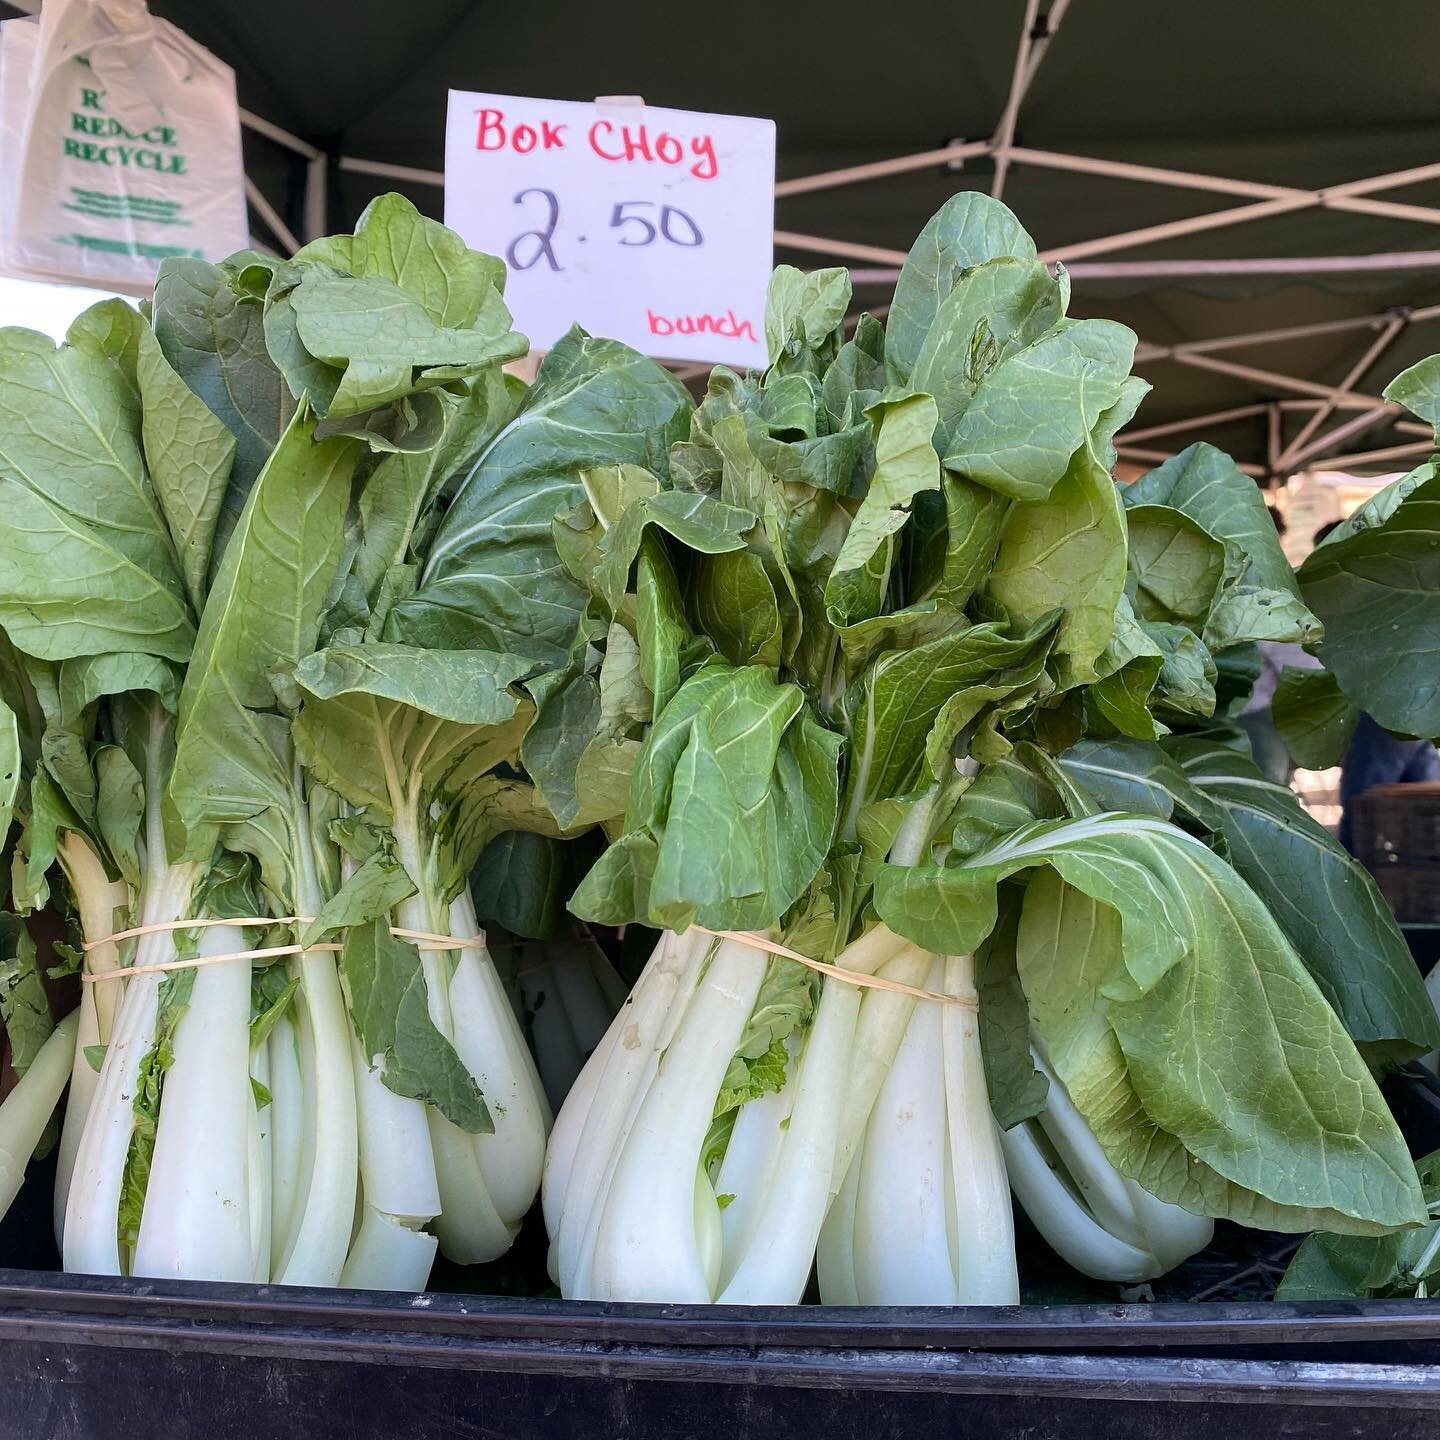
[869,575]
[786,725]
[196,503]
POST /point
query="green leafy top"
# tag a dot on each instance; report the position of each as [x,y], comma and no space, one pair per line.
[858,565]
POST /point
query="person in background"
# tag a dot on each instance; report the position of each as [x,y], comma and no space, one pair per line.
[1376,757]
[1271,753]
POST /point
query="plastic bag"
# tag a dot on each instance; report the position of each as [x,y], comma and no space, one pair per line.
[122,145]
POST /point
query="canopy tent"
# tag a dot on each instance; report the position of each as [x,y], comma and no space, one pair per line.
[1252,188]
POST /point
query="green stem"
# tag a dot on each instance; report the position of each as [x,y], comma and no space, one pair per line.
[424,911]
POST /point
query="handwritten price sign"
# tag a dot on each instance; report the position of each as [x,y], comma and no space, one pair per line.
[652,226]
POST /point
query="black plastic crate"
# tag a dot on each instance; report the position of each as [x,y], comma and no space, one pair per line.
[101,1358]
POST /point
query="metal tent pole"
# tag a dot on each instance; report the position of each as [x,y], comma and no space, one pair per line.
[1258,376]
[1298,450]
[392,172]
[317,179]
[842,249]
[1376,457]
[1049,25]
[1192,422]
[880,169]
[261,126]
[1347,196]
[1258,265]
[1019,81]
[268,213]
[1300,457]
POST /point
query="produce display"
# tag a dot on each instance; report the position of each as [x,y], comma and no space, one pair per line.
[858,683]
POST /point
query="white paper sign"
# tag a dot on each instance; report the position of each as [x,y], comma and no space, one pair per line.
[655,227]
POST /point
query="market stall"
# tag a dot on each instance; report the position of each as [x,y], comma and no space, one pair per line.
[541,898]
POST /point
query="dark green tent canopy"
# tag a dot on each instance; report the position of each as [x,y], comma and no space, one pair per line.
[1269,104]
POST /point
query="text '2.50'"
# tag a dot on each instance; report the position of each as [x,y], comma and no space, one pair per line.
[635,223]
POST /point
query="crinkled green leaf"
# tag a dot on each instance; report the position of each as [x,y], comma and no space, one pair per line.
[376,713]
[1129,670]
[993,311]
[213,337]
[582,747]
[1418,390]
[854,381]
[732,809]
[375,888]
[430,263]
[1259,598]
[23,1006]
[384,342]
[803,310]
[1176,565]
[1139,776]
[905,465]
[9,767]
[969,229]
[1036,408]
[783,1006]
[1362,1267]
[1017,1089]
[492,579]
[892,708]
[120,810]
[953,538]
[697,522]
[1004,796]
[1067,553]
[272,993]
[88,678]
[522,881]
[734,603]
[416,734]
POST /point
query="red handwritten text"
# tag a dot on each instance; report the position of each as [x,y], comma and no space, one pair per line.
[609,139]
[704,324]
[491,133]
[612,141]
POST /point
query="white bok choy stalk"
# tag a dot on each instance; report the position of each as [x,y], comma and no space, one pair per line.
[1095,1219]
[923,1216]
[412,738]
[98,900]
[413,714]
[652,1194]
[102,610]
[27,1110]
